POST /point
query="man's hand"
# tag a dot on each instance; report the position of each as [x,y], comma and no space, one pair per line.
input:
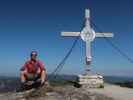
[29,83]
[42,81]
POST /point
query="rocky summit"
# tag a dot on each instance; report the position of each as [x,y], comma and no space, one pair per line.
[66,92]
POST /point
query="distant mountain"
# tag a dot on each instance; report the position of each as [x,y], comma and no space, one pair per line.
[11,83]
[115,79]
[8,83]
[107,79]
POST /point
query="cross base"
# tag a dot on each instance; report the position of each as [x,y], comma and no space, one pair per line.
[91,81]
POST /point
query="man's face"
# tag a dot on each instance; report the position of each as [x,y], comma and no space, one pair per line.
[33,56]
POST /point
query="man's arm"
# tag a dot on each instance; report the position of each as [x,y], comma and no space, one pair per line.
[23,67]
[23,72]
[43,72]
[43,77]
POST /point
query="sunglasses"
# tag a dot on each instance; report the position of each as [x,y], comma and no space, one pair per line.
[33,54]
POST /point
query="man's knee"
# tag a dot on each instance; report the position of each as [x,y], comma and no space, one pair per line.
[23,73]
[38,71]
[23,76]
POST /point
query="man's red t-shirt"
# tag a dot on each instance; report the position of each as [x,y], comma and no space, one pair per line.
[32,66]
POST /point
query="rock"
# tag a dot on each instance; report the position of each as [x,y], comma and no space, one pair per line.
[54,93]
[91,81]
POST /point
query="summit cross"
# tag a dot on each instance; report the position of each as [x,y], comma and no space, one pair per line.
[88,35]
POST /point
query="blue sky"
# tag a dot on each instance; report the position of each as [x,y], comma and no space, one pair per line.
[27,25]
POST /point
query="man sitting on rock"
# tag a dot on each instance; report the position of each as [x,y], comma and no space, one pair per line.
[33,71]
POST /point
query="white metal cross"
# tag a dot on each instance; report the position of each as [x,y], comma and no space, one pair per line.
[87,35]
